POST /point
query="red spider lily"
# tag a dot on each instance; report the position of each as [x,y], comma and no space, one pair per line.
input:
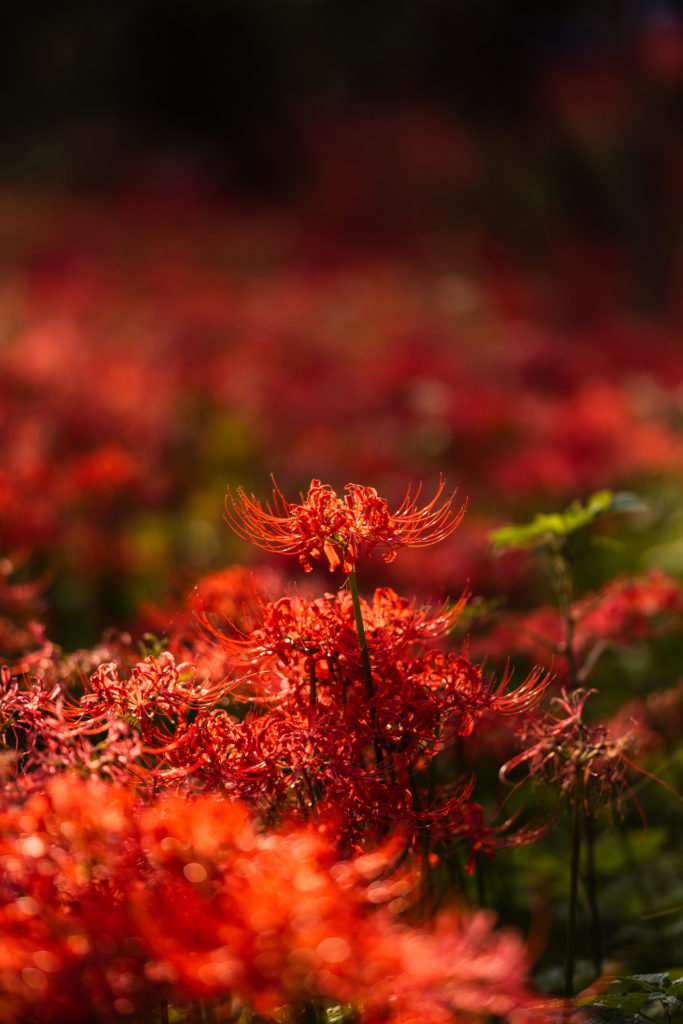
[24,701]
[298,763]
[463,695]
[569,753]
[341,528]
[324,628]
[157,686]
[48,741]
[105,747]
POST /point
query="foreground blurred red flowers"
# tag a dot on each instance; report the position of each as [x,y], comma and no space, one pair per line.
[341,528]
[109,904]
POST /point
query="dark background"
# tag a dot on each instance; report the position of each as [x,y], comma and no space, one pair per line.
[573,110]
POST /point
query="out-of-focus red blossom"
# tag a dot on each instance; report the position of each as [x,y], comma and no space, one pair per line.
[564,443]
[226,595]
[233,591]
[624,612]
[117,352]
[22,636]
[655,721]
[109,469]
[441,975]
[32,650]
[341,528]
[220,909]
[18,599]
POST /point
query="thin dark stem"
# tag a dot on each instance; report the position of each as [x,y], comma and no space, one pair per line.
[564,591]
[577,800]
[431,779]
[592,892]
[426,886]
[312,680]
[480,880]
[365,661]
[163,1007]
[362,640]
[311,792]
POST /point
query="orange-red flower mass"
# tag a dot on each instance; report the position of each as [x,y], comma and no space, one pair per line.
[341,527]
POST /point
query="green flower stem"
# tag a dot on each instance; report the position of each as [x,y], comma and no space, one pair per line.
[426,884]
[365,661]
[570,948]
[362,641]
[480,881]
[592,892]
[564,593]
[565,597]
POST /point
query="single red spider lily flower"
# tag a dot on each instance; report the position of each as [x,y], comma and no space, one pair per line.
[567,752]
[155,687]
[24,701]
[340,528]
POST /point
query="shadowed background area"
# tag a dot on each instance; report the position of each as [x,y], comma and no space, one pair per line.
[526,121]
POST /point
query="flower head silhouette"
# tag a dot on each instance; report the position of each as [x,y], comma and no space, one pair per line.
[341,527]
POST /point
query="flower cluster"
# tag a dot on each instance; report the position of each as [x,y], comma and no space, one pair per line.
[358,707]
[269,812]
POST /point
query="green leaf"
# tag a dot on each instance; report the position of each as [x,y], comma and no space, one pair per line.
[626,501]
[151,644]
[661,980]
[548,527]
[670,1002]
[623,1000]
